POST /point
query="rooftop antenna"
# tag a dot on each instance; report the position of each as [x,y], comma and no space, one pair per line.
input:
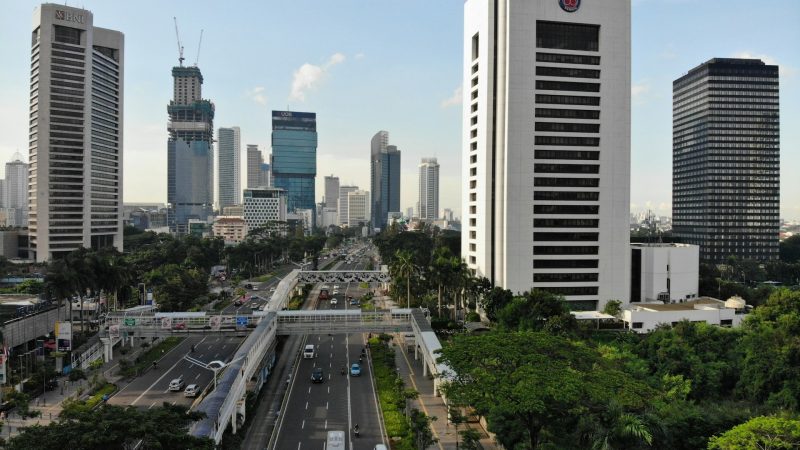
[197,58]
[180,47]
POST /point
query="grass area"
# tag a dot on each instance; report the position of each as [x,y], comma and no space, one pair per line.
[364,285]
[90,403]
[263,278]
[390,394]
[145,361]
[222,304]
[329,264]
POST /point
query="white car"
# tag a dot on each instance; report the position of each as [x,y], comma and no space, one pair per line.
[177,384]
[334,301]
[191,390]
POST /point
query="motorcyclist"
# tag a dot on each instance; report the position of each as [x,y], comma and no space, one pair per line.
[355,429]
[342,370]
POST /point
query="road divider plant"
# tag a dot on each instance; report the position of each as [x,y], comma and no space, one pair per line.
[145,361]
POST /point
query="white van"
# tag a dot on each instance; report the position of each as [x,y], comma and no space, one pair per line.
[335,440]
[309,351]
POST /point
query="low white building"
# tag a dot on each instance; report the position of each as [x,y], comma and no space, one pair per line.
[664,272]
[263,205]
[645,317]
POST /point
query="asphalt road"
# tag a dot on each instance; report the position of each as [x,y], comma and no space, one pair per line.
[151,388]
[257,298]
[338,403]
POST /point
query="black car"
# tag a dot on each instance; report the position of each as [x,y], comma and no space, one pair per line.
[51,384]
[316,375]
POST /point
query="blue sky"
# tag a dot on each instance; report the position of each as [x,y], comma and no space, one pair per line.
[364,66]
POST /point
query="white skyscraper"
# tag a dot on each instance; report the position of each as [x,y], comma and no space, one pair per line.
[342,203]
[358,208]
[75,148]
[429,189]
[15,192]
[229,184]
[546,149]
[331,191]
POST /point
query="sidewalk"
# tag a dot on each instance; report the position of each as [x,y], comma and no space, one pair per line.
[49,403]
[411,372]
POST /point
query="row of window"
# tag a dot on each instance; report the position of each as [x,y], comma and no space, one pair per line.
[567,154]
[566,196]
[567,113]
[566,237]
[566,168]
[566,223]
[566,182]
[566,209]
[568,127]
[564,277]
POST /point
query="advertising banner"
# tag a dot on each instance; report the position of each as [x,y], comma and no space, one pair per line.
[64,336]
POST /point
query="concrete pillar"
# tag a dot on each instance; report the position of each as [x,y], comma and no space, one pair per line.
[416,352]
[233,420]
[424,367]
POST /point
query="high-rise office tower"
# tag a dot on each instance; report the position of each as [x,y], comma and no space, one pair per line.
[331,192]
[357,208]
[190,158]
[15,192]
[254,161]
[546,151]
[228,177]
[384,178]
[265,175]
[726,159]
[341,204]
[75,145]
[294,157]
[429,189]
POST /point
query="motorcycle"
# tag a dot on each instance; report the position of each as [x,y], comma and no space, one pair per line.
[356,431]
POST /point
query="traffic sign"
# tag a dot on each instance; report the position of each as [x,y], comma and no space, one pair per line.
[130,322]
[113,331]
[166,323]
[215,322]
[241,321]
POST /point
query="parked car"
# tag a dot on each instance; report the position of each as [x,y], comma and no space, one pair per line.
[355,370]
[191,390]
[177,384]
[317,375]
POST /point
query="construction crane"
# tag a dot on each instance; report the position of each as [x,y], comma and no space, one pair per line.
[198,48]
[178,37]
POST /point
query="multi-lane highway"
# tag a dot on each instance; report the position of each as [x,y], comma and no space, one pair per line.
[151,388]
[340,401]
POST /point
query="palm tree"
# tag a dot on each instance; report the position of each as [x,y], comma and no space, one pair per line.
[61,283]
[404,267]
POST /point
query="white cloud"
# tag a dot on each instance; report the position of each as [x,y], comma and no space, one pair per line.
[638,90]
[308,77]
[783,70]
[257,95]
[453,100]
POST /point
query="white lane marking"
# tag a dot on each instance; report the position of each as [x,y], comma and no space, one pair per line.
[326,405]
[303,425]
[326,424]
[306,405]
[198,376]
[162,375]
[329,389]
[330,364]
[216,355]
[223,347]
[309,389]
[298,445]
[151,406]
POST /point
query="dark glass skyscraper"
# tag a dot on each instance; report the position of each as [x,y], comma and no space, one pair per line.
[726,159]
[190,156]
[384,178]
[294,157]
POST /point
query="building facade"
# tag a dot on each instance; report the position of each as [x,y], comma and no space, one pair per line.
[342,203]
[358,204]
[232,229]
[546,151]
[726,159]
[190,158]
[74,180]
[229,184]
[331,192]
[429,189]
[263,205]
[667,273]
[384,178]
[254,161]
[294,157]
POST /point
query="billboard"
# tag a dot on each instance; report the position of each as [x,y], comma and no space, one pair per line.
[64,336]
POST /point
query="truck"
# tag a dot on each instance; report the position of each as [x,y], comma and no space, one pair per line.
[323,294]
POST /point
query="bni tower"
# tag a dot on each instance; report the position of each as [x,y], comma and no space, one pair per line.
[726,159]
[546,146]
[294,157]
[75,143]
[190,158]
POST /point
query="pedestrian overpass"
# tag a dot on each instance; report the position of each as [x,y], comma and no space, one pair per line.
[261,328]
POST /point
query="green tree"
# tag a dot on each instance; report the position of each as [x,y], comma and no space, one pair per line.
[760,433]
[790,249]
[403,268]
[421,429]
[114,427]
[495,300]
[533,386]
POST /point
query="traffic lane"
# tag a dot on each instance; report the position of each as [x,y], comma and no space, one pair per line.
[313,409]
[143,382]
[151,389]
[364,410]
[217,348]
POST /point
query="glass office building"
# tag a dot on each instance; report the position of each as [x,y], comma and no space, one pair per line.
[294,157]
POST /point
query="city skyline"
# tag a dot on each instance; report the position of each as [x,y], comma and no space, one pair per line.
[342,76]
